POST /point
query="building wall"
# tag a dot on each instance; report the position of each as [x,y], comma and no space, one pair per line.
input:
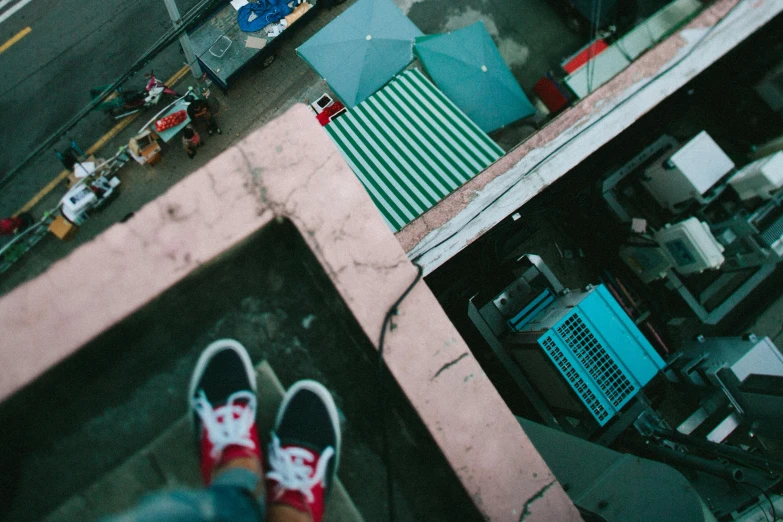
[480,204]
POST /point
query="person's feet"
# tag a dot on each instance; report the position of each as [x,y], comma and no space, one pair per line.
[304,453]
[222,398]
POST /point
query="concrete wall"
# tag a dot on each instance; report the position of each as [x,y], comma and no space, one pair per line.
[480,204]
[290,169]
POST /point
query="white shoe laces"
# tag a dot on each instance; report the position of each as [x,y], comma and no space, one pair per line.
[228,424]
[291,468]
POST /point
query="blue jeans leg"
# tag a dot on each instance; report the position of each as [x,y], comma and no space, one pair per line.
[229,498]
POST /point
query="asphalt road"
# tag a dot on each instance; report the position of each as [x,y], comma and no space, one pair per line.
[72,45]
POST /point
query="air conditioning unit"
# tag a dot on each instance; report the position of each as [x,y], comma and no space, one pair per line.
[596,348]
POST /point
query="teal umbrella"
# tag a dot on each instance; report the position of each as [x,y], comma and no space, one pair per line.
[362,49]
[467,66]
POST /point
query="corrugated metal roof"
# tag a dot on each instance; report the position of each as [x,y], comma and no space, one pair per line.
[411,146]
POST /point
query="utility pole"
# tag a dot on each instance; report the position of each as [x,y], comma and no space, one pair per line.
[184,40]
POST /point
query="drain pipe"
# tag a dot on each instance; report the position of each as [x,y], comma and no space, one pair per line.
[724,450]
[729,472]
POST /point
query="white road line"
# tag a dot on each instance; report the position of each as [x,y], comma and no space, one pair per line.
[4,3]
[5,16]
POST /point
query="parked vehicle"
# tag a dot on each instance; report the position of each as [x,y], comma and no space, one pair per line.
[224,50]
[126,103]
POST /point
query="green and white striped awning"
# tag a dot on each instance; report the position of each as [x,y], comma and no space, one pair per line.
[411,146]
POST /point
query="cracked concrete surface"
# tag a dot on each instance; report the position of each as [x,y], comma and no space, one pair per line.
[529,502]
[304,180]
[449,365]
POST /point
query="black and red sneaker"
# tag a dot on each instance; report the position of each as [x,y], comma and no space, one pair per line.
[303,456]
[223,402]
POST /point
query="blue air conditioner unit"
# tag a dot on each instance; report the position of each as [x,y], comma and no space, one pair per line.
[598,350]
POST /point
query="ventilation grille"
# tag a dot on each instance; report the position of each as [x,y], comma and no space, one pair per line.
[575,380]
[590,369]
[599,350]
[773,232]
[596,360]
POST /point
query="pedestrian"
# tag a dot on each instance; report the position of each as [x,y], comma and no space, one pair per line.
[301,459]
[199,110]
[191,141]
[15,224]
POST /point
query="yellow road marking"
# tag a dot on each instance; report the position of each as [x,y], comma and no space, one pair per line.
[18,36]
[96,146]
[113,132]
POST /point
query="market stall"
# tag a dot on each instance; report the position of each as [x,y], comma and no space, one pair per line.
[224,47]
[171,121]
[362,49]
[144,148]
[467,66]
[410,146]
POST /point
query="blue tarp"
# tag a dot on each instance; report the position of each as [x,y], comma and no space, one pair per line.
[266,12]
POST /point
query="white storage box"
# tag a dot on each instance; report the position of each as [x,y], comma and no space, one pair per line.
[76,202]
[689,173]
[690,246]
[760,178]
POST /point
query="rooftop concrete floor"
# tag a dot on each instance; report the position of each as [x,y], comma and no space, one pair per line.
[169,463]
[111,401]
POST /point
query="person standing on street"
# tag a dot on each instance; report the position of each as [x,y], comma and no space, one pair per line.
[15,224]
[191,141]
[199,110]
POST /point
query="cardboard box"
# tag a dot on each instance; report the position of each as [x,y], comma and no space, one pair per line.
[255,43]
[62,228]
[73,179]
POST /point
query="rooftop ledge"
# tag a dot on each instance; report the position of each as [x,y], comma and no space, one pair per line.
[437,235]
[290,170]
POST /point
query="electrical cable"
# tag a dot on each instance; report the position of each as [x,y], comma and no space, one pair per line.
[162,42]
[771,504]
[184,23]
[582,131]
[383,397]
[764,512]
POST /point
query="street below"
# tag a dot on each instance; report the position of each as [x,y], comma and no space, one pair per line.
[51,82]
[71,47]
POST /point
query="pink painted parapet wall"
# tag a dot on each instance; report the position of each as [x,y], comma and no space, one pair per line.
[290,169]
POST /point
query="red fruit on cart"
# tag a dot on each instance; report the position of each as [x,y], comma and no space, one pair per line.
[172,120]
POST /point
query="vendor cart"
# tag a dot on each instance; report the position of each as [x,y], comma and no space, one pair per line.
[167,134]
[144,148]
[224,50]
[87,196]
[96,188]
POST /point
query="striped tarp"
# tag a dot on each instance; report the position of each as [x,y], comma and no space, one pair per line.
[411,146]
